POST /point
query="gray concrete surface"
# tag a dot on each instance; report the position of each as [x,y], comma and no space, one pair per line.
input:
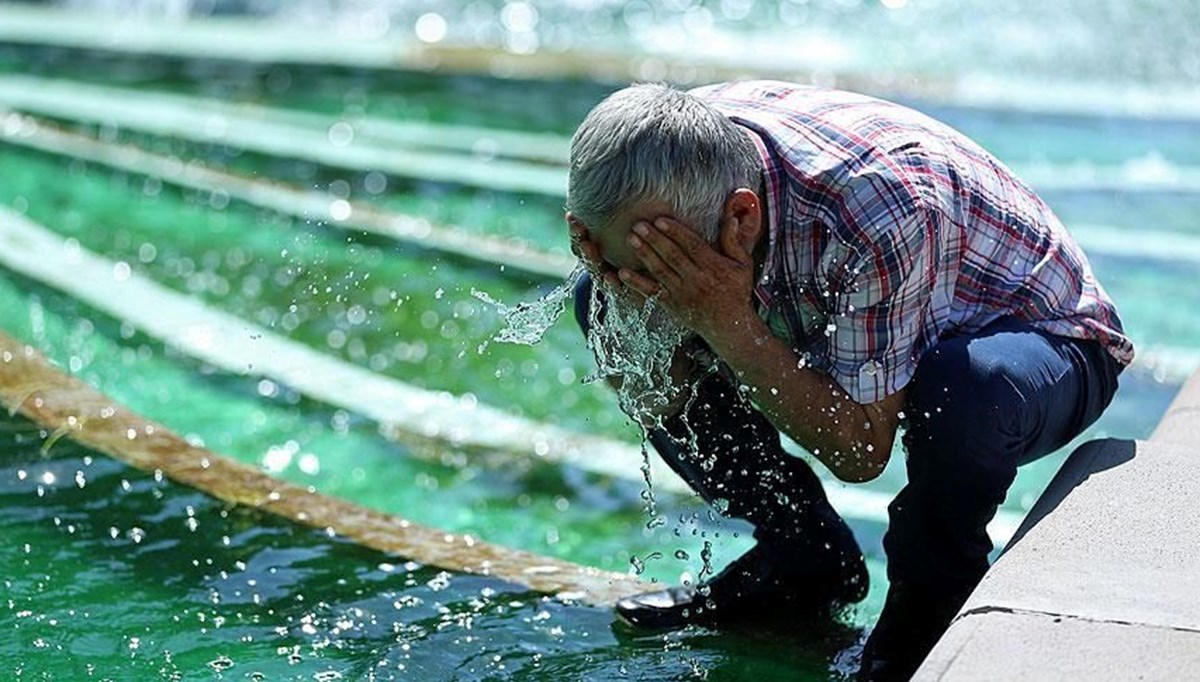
[1006,645]
[1102,580]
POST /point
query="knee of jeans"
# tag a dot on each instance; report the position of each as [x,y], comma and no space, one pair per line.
[583,300]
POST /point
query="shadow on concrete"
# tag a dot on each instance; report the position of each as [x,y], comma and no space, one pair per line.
[1090,458]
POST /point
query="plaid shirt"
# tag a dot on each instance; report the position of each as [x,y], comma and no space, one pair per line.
[889,230]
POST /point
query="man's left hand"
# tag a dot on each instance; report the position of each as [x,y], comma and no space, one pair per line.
[707,290]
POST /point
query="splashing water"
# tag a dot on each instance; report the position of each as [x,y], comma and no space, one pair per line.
[635,345]
[526,323]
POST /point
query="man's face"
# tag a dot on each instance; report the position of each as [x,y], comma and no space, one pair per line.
[613,238]
[634,340]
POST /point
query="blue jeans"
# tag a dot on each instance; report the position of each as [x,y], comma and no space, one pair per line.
[978,406]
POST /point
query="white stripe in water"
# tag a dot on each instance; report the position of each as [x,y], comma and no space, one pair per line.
[1147,174]
[1138,243]
[211,122]
[421,418]
[28,131]
[1165,363]
[1107,99]
[307,204]
[252,40]
[470,155]
[57,96]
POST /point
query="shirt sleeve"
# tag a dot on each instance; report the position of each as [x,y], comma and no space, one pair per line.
[877,329]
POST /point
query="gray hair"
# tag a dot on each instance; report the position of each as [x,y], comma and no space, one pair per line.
[651,142]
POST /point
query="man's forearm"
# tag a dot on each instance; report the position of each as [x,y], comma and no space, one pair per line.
[853,440]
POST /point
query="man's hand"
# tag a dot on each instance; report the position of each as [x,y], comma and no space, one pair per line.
[710,292]
[706,290]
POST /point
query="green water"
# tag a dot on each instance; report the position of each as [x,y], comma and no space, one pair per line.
[79,595]
[112,574]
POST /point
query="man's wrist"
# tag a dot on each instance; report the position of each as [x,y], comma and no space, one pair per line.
[740,337]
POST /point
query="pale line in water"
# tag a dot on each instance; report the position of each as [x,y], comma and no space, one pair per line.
[269,42]
[64,405]
[424,420]
[503,160]
[1149,244]
[29,131]
[1168,364]
[477,141]
[1165,363]
[521,255]
[330,146]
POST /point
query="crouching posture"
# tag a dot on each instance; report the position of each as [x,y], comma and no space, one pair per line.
[841,268]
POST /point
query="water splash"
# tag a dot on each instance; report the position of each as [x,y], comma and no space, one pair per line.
[527,322]
[706,565]
[636,344]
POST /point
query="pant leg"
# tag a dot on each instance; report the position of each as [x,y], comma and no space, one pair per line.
[977,408]
[741,468]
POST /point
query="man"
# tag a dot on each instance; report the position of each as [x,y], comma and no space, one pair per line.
[846,265]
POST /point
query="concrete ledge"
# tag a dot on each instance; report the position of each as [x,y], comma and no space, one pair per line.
[1038,646]
[1103,576]
[1114,538]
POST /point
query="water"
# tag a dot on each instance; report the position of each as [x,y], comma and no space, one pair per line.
[527,322]
[147,558]
[251,596]
[634,345]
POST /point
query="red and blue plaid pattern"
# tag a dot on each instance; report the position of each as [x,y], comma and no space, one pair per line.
[890,230]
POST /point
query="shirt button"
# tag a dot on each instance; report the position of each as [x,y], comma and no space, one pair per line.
[869,368]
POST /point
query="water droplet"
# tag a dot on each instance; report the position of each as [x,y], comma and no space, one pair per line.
[221,663]
[341,134]
[638,565]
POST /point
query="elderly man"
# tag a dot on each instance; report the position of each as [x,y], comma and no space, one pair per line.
[847,266]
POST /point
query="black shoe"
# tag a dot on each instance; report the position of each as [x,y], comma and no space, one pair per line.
[912,621]
[768,580]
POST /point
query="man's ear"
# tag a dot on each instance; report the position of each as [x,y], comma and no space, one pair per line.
[741,221]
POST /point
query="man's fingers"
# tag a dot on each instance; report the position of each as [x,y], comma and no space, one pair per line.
[642,284]
[685,239]
[611,279]
[657,248]
[660,258]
